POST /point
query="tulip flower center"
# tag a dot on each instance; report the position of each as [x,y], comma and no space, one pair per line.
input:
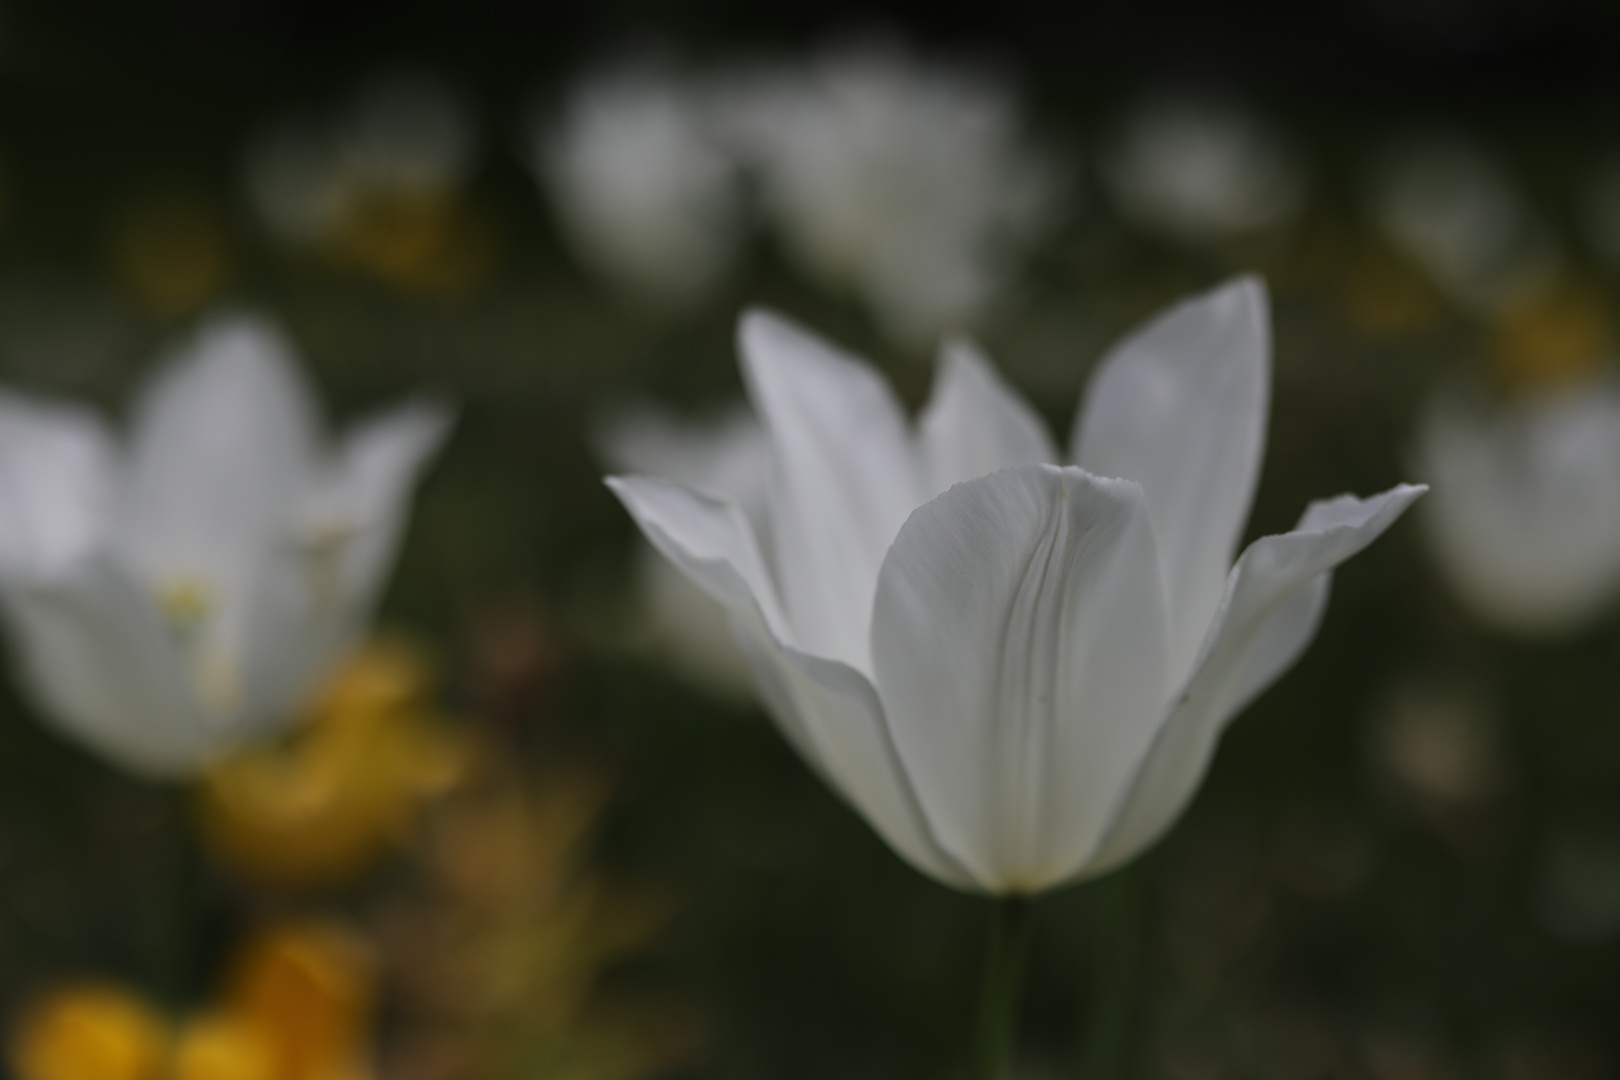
[186,603]
[324,550]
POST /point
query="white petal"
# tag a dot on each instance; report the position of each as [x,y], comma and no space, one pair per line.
[846,477]
[827,709]
[224,446]
[293,627]
[1180,407]
[310,593]
[1525,517]
[362,508]
[975,424]
[1272,604]
[728,454]
[1020,644]
[56,475]
[99,657]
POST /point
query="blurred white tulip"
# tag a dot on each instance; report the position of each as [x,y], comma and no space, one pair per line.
[401,135]
[1525,518]
[1017,671]
[913,185]
[1200,171]
[1456,214]
[728,456]
[174,595]
[645,194]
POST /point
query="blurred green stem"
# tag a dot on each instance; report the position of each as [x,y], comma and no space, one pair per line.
[177,946]
[1115,974]
[1011,924]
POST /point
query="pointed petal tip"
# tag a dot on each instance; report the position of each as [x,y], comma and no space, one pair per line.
[1355,511]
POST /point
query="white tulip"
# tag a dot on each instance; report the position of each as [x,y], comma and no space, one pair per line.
[1525,519]
[1016,670]
[1453,210]
[912,185]
[642,189]
[174,595]
[402,135]
[728,455]
[1201,171]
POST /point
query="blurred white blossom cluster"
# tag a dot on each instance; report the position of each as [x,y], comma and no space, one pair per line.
[1198,169]
[377,184]
[913,185]
[404,134]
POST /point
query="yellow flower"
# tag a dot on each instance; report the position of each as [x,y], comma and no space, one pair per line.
[170,251]
[1558,335]
[298,1007]
[325,805]
[89,1031]
[223,1047]
[307,987]
[423,242]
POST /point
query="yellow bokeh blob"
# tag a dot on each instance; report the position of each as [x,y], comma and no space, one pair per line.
[322,807]
[1558,335]
[297,1006]
[89,1031]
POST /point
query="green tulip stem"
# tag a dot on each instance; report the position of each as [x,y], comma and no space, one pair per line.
[1011,926]
[1116,974]
[182,932]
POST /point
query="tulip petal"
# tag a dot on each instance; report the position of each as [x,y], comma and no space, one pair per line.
[1180,407]
[1020,646]
[103,662]
[56,476]
[370,492]
[223,448]
[846,478]
[974,423]
[826,708]
[1273,603]
[312,591]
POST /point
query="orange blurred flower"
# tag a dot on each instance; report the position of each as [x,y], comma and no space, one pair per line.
[323,806]
[297,1007]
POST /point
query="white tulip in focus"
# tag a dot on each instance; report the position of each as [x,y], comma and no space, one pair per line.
[1456,214]
[174,592]
[728,456]
[1201,171]
[1525,517]
[1016,670]
[912,185]
[643,191]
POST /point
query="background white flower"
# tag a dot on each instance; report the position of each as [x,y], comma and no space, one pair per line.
[1200,170]
[643,190]
[402,135]
[727,455]
[1525,517]
[173,595]
[1016,671]
[1453,210]
[914,185]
